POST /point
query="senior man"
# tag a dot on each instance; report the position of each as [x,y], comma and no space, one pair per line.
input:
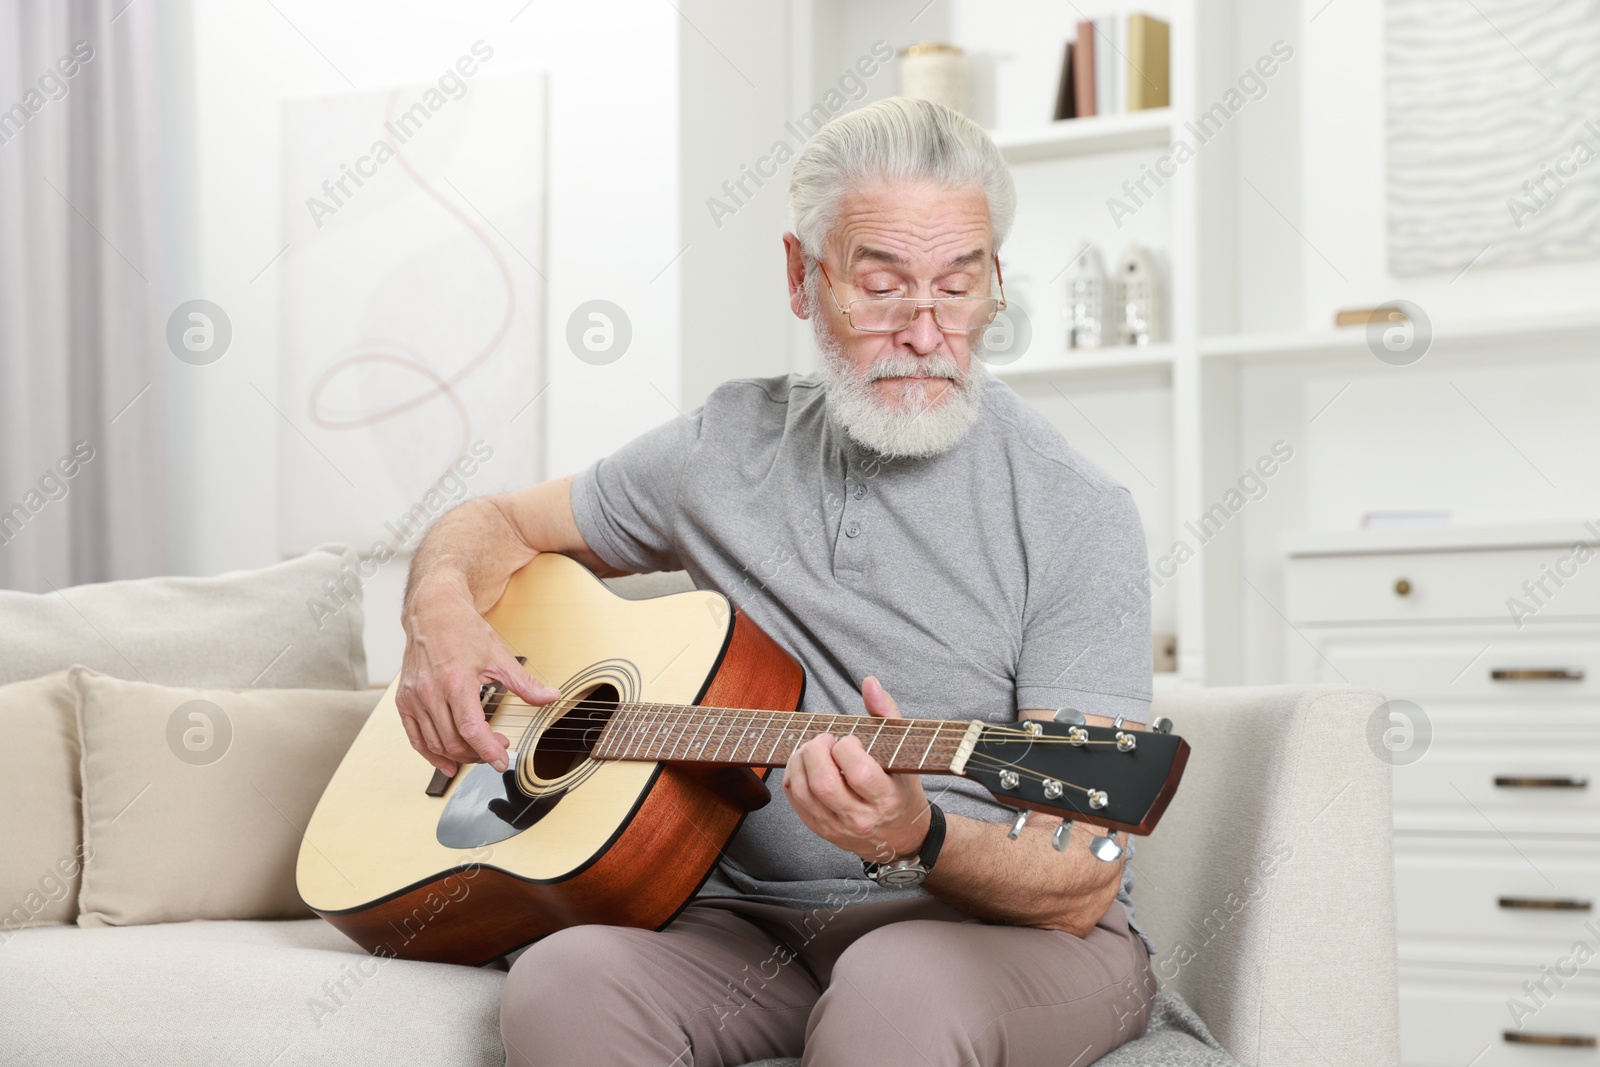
[900,522]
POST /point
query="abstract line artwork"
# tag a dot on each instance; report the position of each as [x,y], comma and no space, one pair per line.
[412,325]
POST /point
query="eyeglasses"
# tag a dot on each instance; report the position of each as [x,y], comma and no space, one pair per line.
[891,314]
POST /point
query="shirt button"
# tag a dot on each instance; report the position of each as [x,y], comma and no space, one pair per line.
[852,530]
[861,491]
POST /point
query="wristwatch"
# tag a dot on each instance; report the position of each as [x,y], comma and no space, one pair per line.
[911,870]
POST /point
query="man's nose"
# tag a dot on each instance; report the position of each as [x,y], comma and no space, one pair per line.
[923,334]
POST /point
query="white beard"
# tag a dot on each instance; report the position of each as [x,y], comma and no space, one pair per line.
[916,429]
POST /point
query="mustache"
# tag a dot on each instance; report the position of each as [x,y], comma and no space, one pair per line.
[902,366]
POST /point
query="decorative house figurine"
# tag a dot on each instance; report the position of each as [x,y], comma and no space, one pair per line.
[1086,300]
[1137,303]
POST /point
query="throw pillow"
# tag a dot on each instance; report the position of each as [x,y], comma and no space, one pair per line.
[40,854]
[195,800]
[296,624]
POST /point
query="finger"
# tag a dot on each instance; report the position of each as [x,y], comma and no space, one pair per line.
[795,784]
[472,729]
[435,751]
[515,677]
[822,774]
[877,699]
[861,772]
[418,742]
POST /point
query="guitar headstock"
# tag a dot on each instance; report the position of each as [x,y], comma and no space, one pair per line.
[1107,775]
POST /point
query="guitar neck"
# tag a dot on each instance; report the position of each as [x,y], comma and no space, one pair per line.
[684,733]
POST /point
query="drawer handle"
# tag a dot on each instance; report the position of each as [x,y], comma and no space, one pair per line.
[1545,904]
[1515,1037]
[1554,781]
[1402,587]
[1537,674]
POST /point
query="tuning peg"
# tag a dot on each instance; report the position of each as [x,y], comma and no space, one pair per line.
[1062,837]
[1105,849]
[1070,716]
[1161,725]
[1116,724]
[1018,823]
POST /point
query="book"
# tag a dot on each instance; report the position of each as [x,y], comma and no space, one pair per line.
[1105,67]
[1149,70]
[1065,104]
[1083,74]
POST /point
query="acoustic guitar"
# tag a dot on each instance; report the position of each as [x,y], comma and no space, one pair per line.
[621,795]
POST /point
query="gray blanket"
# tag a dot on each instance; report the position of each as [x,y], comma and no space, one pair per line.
[1175,1038]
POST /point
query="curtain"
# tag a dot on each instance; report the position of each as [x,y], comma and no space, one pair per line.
[83,460]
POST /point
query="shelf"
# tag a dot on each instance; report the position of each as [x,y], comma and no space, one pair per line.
[1078,361]
[1086,137]
[1352,340]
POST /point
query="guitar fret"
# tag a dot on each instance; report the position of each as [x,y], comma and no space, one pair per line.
[761,732]
[689,742]
[905,733]
[727,733]
[881,724]
[636,726]
[931,742]
[775,742]
[662,729]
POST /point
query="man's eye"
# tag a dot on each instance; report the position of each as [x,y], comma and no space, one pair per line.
[880,292]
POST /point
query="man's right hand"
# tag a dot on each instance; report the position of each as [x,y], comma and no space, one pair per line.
[451,651]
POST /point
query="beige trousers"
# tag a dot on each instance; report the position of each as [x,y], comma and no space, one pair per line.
[912,983]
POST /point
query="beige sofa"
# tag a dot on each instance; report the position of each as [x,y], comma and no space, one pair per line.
[1268,885]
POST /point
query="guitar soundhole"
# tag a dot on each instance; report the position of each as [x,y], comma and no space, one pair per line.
[551,750]
[566,743]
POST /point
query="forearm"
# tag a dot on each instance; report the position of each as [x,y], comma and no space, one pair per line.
[1025,882]
[475,548]
[472,550]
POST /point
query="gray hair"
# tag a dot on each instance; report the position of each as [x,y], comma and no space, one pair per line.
[896,139]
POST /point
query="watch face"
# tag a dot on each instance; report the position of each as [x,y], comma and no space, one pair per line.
[900,877]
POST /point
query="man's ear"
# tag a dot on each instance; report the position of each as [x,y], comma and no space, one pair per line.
[795,270]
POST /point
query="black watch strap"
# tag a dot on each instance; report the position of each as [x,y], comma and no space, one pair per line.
[935,839]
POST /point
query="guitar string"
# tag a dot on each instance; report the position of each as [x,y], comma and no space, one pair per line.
[725,714]
[986,758]
[928,730]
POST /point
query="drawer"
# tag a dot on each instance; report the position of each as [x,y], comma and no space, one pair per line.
[1485,900]
[1454,1018]
[1516,778]
[1432,586]
[1537,666]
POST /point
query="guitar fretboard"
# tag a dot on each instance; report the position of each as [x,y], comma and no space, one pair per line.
[683,733]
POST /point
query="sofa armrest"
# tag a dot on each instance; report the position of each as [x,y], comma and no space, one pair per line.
[1269,885]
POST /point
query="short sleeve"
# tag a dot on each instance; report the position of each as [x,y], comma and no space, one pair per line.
[1086,626]
[626,504]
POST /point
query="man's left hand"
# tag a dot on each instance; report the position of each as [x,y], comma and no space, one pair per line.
[845,797]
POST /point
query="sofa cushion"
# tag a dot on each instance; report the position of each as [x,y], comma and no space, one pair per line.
[285,993]
[295,624]
[40,856]
[194,800]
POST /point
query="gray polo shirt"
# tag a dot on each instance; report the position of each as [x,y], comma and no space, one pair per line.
[1001,575]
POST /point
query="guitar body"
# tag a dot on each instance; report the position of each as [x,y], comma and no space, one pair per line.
[494,861]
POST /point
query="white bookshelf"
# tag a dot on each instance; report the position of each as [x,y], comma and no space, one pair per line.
[1100,134]
[1155,357]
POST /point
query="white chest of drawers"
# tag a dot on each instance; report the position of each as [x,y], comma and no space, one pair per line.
[1487,644]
